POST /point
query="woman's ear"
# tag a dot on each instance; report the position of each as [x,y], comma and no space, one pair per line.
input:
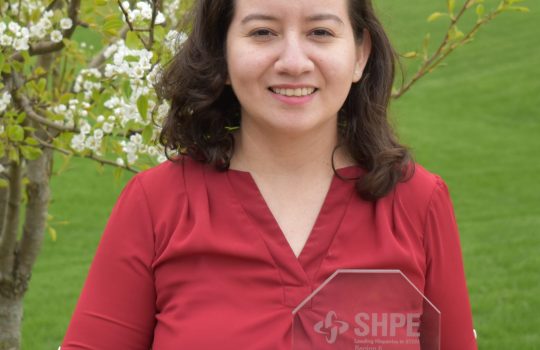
[362,55]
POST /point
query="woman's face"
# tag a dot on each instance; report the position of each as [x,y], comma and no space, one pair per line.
[291,63]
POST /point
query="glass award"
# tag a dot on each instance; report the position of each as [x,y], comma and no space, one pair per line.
[366,310]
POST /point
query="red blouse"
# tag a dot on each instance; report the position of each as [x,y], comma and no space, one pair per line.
[192,258]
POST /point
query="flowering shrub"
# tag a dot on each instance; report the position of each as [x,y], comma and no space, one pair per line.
[101,106]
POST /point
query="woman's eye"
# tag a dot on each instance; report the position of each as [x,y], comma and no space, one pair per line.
[321,32]
[261,33]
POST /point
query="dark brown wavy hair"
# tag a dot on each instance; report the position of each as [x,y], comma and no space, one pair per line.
[204,109]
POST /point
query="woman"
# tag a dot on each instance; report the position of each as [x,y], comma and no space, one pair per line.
[289,171]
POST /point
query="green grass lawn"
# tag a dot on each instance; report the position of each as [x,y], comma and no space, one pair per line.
[475,122]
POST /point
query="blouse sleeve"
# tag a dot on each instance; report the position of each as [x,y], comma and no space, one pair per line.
[445,278]
[117,305]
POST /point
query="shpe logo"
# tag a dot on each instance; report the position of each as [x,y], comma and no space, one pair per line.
[331,327]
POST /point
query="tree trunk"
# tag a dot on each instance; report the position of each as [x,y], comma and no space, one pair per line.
[11,311]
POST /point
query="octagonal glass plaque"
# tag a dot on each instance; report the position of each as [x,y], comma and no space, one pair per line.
[366,310]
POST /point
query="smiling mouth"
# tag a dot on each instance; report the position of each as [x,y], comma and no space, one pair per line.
[298,92]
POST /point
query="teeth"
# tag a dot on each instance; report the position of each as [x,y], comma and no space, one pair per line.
[294,92]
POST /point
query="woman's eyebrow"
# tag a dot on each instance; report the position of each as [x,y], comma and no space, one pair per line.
[325,17]
[258,16]
[312,18]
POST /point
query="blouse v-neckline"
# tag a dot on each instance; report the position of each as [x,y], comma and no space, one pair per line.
[304,267]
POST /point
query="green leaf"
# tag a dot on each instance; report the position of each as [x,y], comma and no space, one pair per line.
[42,85]
[3,183]
[26,56]
[132,40]
[451,6]
[2,149]
[14,155]
[20,117]
[480,10]
[425,45]
[455,34]
[15,133]
[147,133]
[159,33]
[126,88]
[40,71]
[112,25]
[31,141]
[434,16]
[410,54]
[30,152]
[142,106]
[6,68]
[100,2]
[52,233]
[2,60]
[518,8]
[117,173]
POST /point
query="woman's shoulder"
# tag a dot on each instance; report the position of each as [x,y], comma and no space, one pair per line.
[416,194]
[421,183]
[170,174]
[167,183]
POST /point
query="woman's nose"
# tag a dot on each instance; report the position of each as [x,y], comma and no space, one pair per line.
[293,58]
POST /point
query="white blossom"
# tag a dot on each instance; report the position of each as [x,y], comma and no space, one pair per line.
[132,158]
[110,50]
[5,100]
[98,134]
[5,40]
[20,44]
[56,36]
[24,33]
[47,24]
[120,161]
[161,158]
[66,23]
[77,142]
[136,139]
[38,31]
[85,127]
[14,27]
[108,127]
[160,18]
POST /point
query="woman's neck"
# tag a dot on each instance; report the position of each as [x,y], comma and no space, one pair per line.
[288,154]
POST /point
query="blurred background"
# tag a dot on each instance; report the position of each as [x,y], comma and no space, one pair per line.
[475,122]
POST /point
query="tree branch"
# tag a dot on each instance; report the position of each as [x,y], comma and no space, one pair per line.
[155,7]
[131,27]
[100,57]
[25,104]
[9,236]
[100,160]
[444,50]
[48,46]
[38,194]
[4,196]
